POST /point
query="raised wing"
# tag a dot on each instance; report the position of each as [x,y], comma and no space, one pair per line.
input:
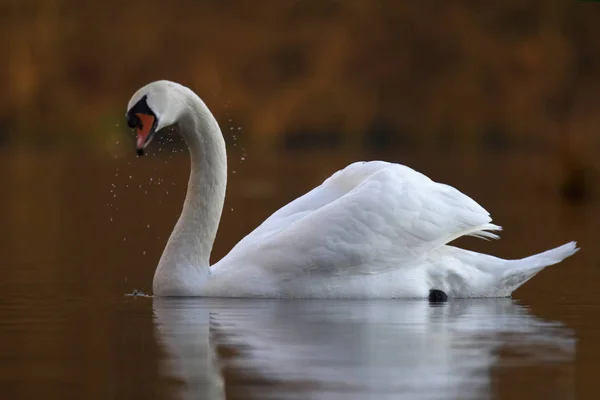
[367,218]
[335,187]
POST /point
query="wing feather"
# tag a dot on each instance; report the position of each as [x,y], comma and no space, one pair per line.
[368,218]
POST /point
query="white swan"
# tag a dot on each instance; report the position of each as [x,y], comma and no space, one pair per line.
[372,230]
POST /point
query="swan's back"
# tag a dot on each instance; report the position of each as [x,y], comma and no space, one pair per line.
[373,230]
[364,209]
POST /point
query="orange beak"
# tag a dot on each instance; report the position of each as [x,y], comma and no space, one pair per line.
[144,131]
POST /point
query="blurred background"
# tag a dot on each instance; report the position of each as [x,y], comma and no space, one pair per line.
[310,74]
[497,99]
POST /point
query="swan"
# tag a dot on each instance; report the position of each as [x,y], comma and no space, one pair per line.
[372,230]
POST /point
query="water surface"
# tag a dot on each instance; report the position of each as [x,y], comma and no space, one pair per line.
[79,232]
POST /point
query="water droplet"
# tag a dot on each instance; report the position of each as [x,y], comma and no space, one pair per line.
[144,252]
[117,142]
[233,172]
[130,177]
[148,226]
[110,219]
[239,128]
[243,158]
[124,239]
[232,209]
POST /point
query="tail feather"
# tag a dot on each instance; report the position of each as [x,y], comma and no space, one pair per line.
[518,272]
[465,273]
[549,257]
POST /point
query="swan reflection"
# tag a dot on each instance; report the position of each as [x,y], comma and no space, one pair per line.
[351,349]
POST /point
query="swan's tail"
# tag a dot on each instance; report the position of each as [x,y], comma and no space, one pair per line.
[483,275]
[516,272]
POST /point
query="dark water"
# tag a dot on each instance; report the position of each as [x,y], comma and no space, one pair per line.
[71,251]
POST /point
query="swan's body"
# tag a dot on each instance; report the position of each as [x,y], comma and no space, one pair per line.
[372,230]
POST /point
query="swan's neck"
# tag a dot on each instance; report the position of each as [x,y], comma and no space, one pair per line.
[184,265]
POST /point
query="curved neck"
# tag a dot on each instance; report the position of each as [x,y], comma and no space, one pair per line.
[189,246]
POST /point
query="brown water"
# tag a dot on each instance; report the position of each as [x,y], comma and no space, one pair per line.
[71,251]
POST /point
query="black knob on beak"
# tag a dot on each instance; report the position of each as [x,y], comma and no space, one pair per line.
[133,121]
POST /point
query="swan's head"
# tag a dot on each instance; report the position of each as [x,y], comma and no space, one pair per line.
[152,108]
